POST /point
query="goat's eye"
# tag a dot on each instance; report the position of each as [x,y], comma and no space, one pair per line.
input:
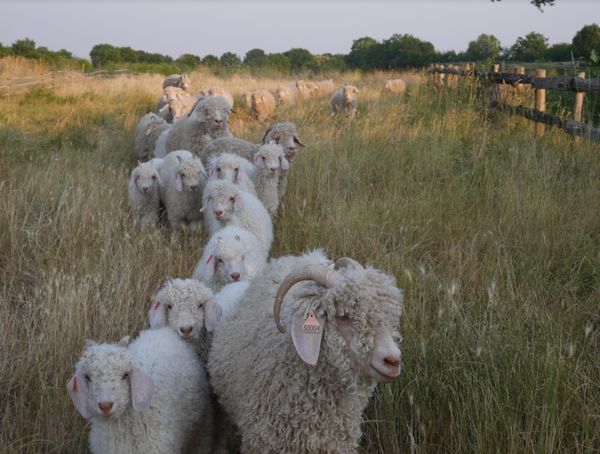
[125,376]
[236,170]
[264,159]
[232,199]
[344,318]
[218,169]
[169,307]
[183,175]
[243,257]
[200,305]
[87,378]
[154,177]
[219,261]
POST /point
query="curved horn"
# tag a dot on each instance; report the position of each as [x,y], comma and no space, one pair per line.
[296,140]
[195,104]
[347,262]
[266,134]
[321,274]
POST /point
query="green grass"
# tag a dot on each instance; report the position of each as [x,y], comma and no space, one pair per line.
[492,233]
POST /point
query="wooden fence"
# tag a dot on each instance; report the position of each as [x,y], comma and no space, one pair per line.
[505,85]
[53,79]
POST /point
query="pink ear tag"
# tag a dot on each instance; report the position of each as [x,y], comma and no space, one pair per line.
[210,257]
[74,384]
[311,324]
[156,305]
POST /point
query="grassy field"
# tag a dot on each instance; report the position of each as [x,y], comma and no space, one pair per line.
[492,233]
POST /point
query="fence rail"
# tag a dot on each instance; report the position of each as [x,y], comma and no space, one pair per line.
[53,79]
[539,83]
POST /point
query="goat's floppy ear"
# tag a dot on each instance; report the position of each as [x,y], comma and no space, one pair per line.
[159,180]
[208,267]
[124,341]
[258,161]
[212,315]
[242,177]
[285,165]
[142,389]
[132,180]
[297,140]
[78,390]
[201,114]
[307,333]
[178,182]
[238,204]
[157,316]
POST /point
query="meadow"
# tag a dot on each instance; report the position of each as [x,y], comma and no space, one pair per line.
[492,233]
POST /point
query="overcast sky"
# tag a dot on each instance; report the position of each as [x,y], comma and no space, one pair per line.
[215,27]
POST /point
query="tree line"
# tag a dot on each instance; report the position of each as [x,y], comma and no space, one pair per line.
[397,52]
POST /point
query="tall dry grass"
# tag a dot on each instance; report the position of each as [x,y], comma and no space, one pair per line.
[492,233]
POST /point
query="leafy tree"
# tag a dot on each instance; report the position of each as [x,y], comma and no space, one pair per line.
[530,48]
[128,55]
[331,62]
[24,48]
[188,60]
[451,56]
[210,60]
[485,47]
[255,57]
[586,40]
[103,54]
[300,59]
[559,52]
[538,3]
[229,59]
[5,51]
[155,58]
[279,62]
[400,51]
[361,53]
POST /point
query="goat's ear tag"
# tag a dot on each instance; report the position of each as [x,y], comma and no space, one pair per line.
[307,333]
[311,325]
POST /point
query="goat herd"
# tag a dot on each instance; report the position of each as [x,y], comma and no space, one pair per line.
[237,353]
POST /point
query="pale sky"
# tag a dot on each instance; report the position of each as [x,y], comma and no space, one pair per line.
[215,27]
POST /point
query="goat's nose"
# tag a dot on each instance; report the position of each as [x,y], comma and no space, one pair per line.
[235,276]
[218,213]
[392,362]
[193,187]
[145,189]
[105,406]
[273,169]
[186,330]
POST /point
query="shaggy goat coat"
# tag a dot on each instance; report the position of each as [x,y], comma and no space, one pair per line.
[142,192]
[285,404]
[147,132]
[207,121]
[161,396]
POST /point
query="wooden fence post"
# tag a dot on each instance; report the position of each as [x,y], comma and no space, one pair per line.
[540,102]
[502,91]
[578,106]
